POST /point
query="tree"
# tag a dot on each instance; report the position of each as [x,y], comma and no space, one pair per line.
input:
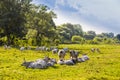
[90,35]
[111,35]
[40,19]
[66,31]
[12,18]
[108,35]
[118,36]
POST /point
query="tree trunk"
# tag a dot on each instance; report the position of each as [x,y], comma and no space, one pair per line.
[8,40]
[38,39]
[12,40]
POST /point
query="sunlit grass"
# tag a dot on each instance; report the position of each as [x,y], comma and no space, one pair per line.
[101,66]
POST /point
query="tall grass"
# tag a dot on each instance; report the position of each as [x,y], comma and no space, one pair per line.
[101,66]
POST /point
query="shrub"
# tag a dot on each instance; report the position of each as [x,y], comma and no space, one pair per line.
[76,39]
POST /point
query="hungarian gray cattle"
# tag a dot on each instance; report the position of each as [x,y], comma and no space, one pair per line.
[39,63]
[52,62]
[85,57]
[61,62]
[74,54]
[70,62]
[61,54]
[54,51]
[66,49]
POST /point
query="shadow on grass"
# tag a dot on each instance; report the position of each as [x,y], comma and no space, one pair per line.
[55,67]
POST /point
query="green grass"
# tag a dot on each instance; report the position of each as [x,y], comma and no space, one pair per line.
[101,66]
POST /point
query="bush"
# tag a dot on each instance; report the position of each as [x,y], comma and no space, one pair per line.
[76,39]
[57,41]
[98,39]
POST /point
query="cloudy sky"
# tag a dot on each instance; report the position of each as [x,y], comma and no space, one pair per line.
[97,15]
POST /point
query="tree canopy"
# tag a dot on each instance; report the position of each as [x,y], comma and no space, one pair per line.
[12,18]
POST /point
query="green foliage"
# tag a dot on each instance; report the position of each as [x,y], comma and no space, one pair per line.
[92,42]
[57,41]
[108,35]
[40,19]
[30,41]
[66,31]
[89,35]
[12,18]
[45,42]
[98,39]
[76,39]
[118,36]
[31,33]
[19,17]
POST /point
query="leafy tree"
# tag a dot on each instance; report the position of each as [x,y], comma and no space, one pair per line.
[118,36]
[108,35]
[40,19]
[111,35]
[12,18]
[66,31]
[100,35]
[89,35]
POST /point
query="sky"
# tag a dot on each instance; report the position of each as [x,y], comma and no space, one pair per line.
[96,15]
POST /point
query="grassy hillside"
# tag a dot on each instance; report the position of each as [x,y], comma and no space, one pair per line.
[101,66]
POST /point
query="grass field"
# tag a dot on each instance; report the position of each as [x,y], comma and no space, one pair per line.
[101,66]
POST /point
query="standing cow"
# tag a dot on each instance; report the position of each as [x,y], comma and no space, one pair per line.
[74,55]
[61,54]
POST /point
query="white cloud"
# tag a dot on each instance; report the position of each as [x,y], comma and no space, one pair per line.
[105,9]
[61,2]
[98,15]
[74,19]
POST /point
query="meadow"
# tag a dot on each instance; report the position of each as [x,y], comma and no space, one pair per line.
[101,66]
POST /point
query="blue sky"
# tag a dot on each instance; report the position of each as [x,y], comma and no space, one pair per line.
[97,15]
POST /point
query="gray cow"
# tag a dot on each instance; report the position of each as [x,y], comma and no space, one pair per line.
[61,54]
[39,64]
[74,55]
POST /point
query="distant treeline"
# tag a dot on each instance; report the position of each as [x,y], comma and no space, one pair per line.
[24,23]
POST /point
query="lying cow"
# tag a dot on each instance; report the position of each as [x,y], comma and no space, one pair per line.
[67,62]
[85,57]
[51,62]
[70,62]
[26,64]
[39,64]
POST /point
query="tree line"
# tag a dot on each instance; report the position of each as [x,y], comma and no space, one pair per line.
[24,23]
